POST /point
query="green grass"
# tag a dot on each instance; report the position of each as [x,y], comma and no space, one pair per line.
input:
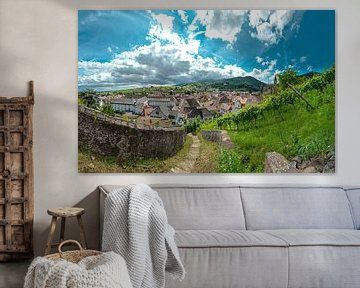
[295,130]
[206,162]
[89,162]
[303,132]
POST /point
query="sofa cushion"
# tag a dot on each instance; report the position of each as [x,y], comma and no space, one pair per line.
[226,238]
[191,207]
[203,208]
[317,237]
[324,266]
[296,208]
[322,258]
[354,198]
[220,267]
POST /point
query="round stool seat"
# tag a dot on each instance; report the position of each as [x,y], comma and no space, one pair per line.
[66,211]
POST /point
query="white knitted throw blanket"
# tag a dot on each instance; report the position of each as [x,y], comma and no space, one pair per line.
[136,227]
[103,271]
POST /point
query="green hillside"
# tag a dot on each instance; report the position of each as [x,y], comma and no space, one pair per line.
[246,83]
[282,123]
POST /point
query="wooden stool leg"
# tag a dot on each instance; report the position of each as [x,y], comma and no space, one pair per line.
[82,232]
[51,235]
[62,231]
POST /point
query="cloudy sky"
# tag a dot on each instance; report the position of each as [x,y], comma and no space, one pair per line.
[121,49]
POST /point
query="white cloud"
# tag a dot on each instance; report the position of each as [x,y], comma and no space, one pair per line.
[219,24]
[98,15]
[259,59]
[266,74]
[165,21]
[269,63]
[269,25]
[256,17]
[156,64]
[295,27]
[272,64]
[163,28]
[172,61]
[303,59]
[183,16]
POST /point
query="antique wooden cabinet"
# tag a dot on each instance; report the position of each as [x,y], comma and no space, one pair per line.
[16,177]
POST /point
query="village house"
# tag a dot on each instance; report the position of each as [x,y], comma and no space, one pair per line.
[179,118]
[175,101]
[254,99]
[123,105]
[237,104]
[140,104]
[178,107]
[224,99]
[162,112]
[192,103]
[225,108]
[157,101]
[212,106]
[188,104]
[147,110]
[202,113]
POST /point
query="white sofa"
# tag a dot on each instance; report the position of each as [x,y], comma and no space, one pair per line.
[242,236]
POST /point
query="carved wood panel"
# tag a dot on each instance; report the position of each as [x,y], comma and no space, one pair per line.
[16,177]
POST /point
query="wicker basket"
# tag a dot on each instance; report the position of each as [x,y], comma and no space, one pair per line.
[72,256]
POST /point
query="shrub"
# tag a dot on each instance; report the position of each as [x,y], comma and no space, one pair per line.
[107,109]
[288,77]
[318,145]
[192,126]
[229,161]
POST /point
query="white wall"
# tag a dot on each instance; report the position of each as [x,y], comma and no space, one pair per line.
[38,40]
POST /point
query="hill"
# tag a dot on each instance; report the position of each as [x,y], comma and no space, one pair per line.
[283,123]
[309,74]
[246,83]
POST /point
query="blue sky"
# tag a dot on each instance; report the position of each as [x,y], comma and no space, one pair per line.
[128,48]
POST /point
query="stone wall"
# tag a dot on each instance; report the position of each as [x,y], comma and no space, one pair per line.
[113,136]
[218,136]
[212,135]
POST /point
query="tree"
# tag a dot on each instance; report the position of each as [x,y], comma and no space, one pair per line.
[288,77]
[193,125]
[107,109]
[89,98]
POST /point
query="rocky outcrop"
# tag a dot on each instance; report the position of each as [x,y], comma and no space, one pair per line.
[277,163]
[319,164]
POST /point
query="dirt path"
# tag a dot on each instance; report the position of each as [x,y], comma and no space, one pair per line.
[188,163]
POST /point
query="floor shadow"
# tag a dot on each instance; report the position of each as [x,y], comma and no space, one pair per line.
[12,275]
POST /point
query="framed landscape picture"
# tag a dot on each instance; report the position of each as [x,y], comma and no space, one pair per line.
[206,91]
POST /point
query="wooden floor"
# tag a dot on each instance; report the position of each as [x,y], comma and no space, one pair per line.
[12,274]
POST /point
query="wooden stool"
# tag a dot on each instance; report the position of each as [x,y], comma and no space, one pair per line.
[64,213]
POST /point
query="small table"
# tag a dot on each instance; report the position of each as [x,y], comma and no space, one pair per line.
[64,213]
